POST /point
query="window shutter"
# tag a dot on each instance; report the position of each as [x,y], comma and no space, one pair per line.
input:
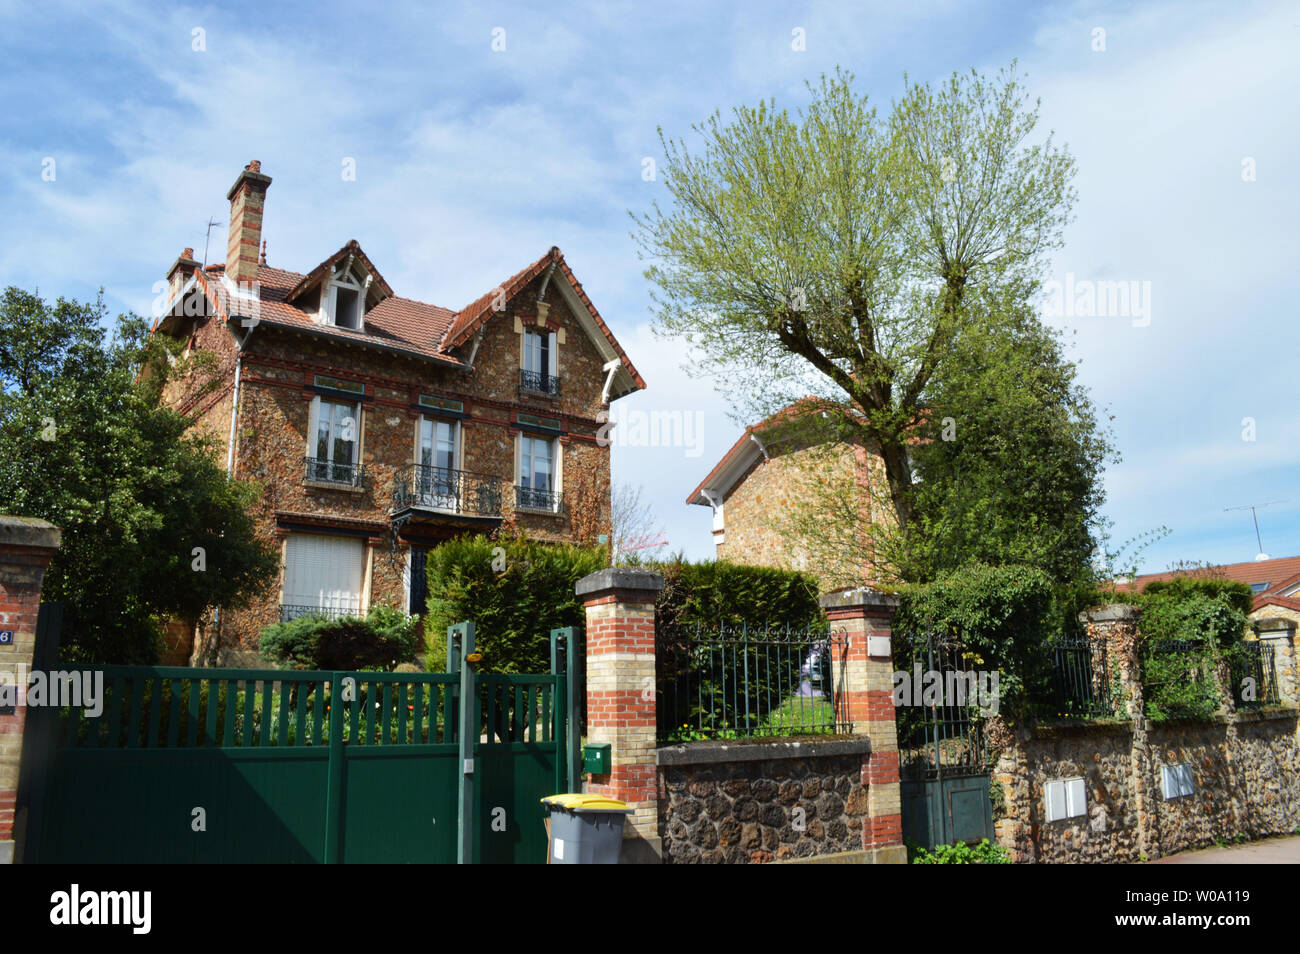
[1076,797]
[1055,801]
[554,363]
[323,572]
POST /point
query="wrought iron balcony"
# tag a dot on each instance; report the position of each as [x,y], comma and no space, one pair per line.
[290,611]
[324,471]
[448,491]
[540,382]
[526,498]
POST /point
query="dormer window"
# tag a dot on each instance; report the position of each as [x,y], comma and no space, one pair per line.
[344,298]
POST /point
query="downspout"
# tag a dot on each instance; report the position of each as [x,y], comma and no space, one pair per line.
[230,447]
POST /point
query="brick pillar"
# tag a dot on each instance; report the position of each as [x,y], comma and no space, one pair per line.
[867,692]
[621,696]
[26,546]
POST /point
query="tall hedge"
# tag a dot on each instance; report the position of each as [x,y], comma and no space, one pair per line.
[515,590]
[719,592]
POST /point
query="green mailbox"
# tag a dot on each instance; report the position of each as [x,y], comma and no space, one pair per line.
[595,758]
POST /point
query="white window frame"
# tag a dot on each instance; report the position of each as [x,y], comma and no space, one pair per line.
[344,277]
[314,423]
[556,467]
[531,352]
[1065,798]
[351,605]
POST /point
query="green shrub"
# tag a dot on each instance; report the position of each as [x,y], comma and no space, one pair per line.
[984,853]
[385,638]
[1236,595]
[514,590]
[1189,627]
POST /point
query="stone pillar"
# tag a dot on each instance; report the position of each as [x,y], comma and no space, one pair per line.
[1280,633]
[1118,625]
[26,547]
[866,690]
[620,606]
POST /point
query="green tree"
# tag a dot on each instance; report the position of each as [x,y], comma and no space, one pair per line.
[152,529]
[861,260]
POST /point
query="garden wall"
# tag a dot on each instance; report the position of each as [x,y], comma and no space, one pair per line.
[1246,774]
[753,803]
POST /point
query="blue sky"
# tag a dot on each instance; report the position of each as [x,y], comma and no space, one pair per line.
[471,161]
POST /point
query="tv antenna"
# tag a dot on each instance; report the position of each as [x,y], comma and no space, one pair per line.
[212,223]
[1261,555]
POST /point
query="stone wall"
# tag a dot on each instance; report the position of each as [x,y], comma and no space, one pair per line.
[760,802]
[1246,770]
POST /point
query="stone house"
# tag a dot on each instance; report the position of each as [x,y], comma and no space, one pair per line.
[774,468]
[379,426]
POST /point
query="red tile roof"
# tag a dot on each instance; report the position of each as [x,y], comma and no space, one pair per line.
[395,323]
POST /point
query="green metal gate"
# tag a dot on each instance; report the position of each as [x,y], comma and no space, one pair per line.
[232,765]
[943,759]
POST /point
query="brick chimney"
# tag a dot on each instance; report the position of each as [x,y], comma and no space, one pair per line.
[247,198]
[180,272]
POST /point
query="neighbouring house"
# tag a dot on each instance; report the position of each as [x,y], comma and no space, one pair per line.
[380,426]
[772,469]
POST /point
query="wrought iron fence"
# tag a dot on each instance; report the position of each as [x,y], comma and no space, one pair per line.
[940,729]
[539,381]
[1178,681]
[290,611]
[331,472]
[528,498]
[738,682]
[1253,675]
[1081,678]
[447,490]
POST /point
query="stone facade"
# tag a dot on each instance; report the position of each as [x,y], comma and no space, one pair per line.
[798,506]
[750,804]
[277,363]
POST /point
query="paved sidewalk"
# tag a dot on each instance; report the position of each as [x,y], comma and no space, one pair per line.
[1272,851]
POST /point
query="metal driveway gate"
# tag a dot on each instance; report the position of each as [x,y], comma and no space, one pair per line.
[235,765]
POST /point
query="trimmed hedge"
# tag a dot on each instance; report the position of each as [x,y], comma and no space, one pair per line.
[515,590]
[720,592]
